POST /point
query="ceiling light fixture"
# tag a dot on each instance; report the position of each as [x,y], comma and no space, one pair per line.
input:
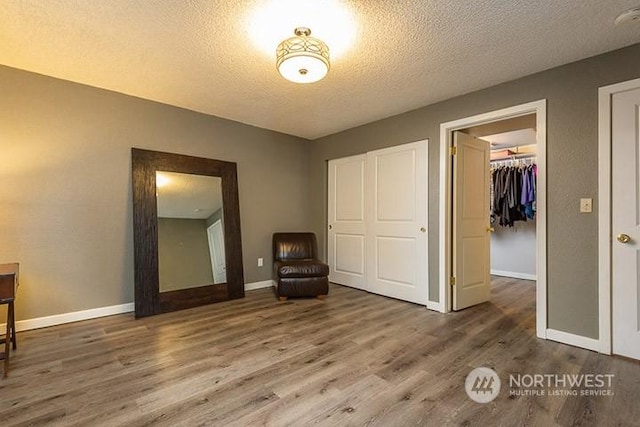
[302,59]
[631,15]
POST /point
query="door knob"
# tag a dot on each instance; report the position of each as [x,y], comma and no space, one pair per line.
[423,230]
[490,229]
[330,226]
[623,238]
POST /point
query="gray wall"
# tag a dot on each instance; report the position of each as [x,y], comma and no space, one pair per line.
[65,190]
[184,260]
[513,249]
[572,164]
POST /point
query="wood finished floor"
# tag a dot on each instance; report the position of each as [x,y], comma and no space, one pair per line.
[353,359]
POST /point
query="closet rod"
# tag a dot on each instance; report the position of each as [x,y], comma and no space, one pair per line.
[514,160]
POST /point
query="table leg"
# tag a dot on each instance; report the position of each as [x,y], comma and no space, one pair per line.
[7,343]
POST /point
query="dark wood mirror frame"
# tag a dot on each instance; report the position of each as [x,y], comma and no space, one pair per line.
[148,298]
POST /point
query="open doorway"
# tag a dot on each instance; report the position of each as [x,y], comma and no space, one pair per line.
[512,198]
[517,136]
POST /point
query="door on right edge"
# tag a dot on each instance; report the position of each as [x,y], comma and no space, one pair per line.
[470,221]
[625,194]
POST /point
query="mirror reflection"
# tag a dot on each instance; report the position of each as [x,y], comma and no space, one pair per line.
[190,231]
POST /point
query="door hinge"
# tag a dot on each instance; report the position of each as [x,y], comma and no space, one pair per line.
[453,150]
[452,281]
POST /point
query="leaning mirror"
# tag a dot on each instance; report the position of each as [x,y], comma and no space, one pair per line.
[190,233]
[187,245]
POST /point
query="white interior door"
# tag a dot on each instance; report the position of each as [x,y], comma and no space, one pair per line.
[346,217]
[625,251]
[470,221]
[216,250]
[396,222]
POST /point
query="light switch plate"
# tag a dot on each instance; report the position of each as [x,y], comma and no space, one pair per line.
[260,262]
[586,205]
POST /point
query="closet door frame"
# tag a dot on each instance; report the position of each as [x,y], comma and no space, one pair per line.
[539,108]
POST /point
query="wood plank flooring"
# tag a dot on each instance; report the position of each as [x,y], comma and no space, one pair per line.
[354,359]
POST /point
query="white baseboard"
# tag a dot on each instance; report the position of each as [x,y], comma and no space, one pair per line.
[574,340]
[258,285]
[513,274]
[76,316]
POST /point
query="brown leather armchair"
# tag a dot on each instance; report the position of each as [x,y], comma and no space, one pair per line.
[296,268]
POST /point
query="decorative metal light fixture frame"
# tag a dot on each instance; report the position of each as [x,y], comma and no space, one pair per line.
[303,46]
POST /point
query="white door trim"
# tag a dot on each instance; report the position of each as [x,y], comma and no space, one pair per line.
[604,208]
[446,130]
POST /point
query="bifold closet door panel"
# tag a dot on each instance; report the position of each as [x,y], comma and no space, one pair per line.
[396,221]
[346,217]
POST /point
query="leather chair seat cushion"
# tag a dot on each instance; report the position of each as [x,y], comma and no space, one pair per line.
[302,286]
[301,268]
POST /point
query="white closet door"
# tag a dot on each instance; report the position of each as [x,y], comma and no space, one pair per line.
[216,251]
[396,222]
[471,232]
[625,254]
[346,216]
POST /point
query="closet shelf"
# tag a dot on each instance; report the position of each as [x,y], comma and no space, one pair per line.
[521,152]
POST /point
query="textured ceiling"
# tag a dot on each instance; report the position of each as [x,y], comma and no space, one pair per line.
[213,56]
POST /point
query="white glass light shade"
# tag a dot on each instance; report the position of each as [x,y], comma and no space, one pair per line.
[302,59]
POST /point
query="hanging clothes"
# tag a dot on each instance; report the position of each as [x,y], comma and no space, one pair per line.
[513,194]
[528,191]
